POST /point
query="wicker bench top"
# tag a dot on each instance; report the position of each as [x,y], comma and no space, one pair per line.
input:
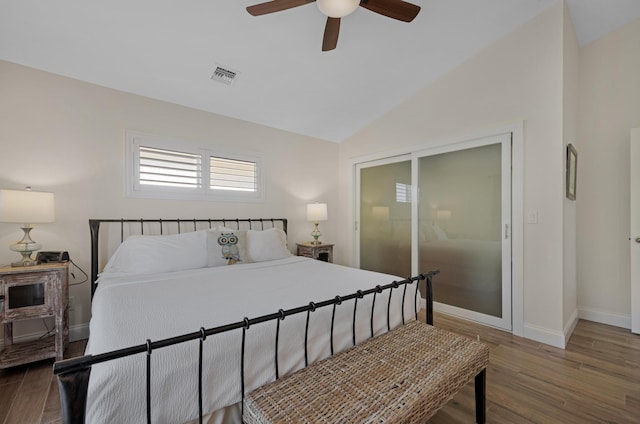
[404,376]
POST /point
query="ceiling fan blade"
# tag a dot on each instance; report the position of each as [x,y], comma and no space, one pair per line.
[396,9]
[275,6]
[331,31]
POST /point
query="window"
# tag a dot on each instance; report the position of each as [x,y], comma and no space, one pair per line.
[169,168]
[232,174]
[162,168]
[403,193]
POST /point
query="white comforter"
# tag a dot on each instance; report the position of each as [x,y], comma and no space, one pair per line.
[128,310]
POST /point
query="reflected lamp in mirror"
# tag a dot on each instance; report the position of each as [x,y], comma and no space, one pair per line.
[316,212]
[26,207]
[380,213]
[443,214]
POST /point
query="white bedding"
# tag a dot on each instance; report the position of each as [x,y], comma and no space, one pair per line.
[127,310]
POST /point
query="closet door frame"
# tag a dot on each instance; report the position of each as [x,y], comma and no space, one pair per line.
[516,129]
[505,141]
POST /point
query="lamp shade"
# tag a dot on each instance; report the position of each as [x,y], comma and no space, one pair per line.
[26,207]
[316,212]
[337,8]
[380,213]
[444,214]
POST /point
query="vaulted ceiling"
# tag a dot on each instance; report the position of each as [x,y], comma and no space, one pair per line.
[168,50]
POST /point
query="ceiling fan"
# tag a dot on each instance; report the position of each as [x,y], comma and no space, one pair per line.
[336,9]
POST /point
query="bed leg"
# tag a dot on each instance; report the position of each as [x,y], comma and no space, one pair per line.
[94,228]
[73,387]
[429,299]
[480,387]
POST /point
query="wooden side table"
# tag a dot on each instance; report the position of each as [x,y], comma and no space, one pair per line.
[39,291]
[322,251]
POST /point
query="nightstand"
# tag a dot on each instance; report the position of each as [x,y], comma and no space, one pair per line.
[322,251]
[39,291]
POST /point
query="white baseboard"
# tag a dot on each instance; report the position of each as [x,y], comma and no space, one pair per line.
[79,332]
[558,339]
[570,326]
[544,335]
[604,317]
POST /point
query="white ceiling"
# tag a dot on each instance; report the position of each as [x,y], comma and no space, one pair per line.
[168,49]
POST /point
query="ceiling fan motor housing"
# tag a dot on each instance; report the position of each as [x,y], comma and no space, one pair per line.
[337,8]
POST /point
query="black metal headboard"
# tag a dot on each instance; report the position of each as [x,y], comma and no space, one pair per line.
[163,226]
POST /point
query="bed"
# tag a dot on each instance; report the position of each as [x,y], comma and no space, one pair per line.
[197,288]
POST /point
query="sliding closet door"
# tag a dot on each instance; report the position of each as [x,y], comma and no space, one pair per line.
[463,226]
[384,208]
[447,208]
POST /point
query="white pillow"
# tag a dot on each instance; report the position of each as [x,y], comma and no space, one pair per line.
[267,245]
[226,246]
[440,232]
[152,254]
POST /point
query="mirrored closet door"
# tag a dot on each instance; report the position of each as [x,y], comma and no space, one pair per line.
[384,209]
[447,208]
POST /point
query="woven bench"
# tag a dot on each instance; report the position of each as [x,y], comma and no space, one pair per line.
[402,376]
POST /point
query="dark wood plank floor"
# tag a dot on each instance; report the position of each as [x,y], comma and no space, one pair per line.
[595,380]
[29,393]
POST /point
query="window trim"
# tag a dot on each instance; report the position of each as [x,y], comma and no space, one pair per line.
[133,189]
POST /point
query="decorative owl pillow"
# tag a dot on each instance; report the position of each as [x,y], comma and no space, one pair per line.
[226,247]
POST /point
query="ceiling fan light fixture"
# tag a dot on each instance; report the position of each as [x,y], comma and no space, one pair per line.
[337,8]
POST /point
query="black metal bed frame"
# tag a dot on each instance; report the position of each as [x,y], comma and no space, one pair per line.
[73,374]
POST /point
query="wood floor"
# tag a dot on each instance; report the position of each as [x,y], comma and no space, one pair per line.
[29,393]
[595,380]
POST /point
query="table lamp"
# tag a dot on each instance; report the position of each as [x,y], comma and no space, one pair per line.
[26,207]
[316,212]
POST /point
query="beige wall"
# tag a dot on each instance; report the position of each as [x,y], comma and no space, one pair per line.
[519,77]
[609,108]
[67,137]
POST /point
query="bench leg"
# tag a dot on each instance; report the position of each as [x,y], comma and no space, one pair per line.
[481,383]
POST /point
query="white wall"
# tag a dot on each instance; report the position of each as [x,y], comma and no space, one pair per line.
[609,108]
[66,136]
[519,77]
[569,130]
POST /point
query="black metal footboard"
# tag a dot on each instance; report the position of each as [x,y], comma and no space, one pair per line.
[73,374]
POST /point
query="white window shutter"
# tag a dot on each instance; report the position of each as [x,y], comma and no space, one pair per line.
[170,168]
[233,174]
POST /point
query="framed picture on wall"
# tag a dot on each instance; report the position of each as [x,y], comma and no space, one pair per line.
[572,166]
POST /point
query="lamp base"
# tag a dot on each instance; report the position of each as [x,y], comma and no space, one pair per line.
[25,247]
[316,234]
[26,260]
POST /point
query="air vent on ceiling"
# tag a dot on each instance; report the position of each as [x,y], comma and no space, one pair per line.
[224,75]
